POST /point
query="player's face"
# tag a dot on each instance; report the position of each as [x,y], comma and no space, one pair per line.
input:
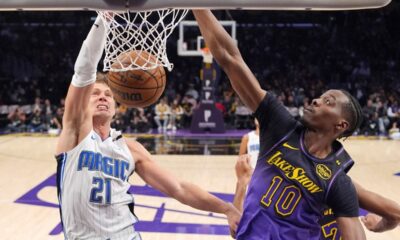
[325,113]
[102,101]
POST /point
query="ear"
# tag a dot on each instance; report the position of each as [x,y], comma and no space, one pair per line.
[342,126]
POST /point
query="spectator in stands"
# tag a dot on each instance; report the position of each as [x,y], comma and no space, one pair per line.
[118,122]
[242,116]
[191,91]
[228,102]
[369,109]
[36,122]
[176,116]
[371,125]
[48,110]
[394,132]
[56,122]
[188,105]
[306,103]
[393,112]
[17,120]
[162,114]
[290,105]
[383,120]
[139,121]
[37,105]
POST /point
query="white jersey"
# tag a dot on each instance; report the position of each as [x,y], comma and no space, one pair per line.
[253,147]
[93,189]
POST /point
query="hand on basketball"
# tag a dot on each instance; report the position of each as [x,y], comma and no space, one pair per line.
[233,216]
[243,169]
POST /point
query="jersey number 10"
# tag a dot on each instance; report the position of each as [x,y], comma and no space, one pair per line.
[287,197]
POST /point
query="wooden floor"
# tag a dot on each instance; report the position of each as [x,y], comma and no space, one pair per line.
[26,162]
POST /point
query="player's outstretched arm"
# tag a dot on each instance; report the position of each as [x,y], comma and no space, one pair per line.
[377,223]
[243,174]
[227,54]
[386,208]
[184,192]
[77,119]
[351,228]
[243,144]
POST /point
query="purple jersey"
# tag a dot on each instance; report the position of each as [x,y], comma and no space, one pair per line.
[329,226]
[289,188]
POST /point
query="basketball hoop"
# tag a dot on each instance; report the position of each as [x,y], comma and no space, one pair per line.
[140,31]
[207,56]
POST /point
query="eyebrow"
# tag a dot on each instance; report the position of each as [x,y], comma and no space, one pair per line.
[331,95]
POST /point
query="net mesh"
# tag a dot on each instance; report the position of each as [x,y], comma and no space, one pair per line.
[142,32]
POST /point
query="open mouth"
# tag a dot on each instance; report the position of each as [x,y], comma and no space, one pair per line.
[102,107]
[309,109]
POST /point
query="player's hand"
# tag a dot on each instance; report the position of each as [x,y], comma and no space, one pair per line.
[109,16]
[371,221]
[243,169]
[376,223]
[233,216]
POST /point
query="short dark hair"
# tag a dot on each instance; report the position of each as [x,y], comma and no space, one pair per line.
[352,113]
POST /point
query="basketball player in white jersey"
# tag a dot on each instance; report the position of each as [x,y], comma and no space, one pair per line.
[250,144]
[246,162]
[95,161]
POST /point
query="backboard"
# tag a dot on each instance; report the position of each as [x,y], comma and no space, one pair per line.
[191,42]
[142,5]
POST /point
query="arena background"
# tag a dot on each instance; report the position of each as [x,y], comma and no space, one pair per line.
[295,55]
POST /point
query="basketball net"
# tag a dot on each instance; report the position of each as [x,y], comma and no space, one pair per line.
[207,56]
[141,31]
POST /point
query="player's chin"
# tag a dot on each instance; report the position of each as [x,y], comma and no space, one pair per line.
[305,120]
[103,114]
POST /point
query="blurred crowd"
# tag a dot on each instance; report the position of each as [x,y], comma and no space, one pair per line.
[295,55]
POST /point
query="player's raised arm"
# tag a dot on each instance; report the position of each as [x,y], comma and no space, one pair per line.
[227,54]
[77,119]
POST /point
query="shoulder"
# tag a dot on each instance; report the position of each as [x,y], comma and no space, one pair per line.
[343,158]
[245,137]
[341,185]
[137,150]
[133,145]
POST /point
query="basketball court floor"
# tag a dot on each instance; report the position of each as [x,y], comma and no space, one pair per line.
[28,202]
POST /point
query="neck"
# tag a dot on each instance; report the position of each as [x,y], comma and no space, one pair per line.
[257,131]
[317,144]
[102,129]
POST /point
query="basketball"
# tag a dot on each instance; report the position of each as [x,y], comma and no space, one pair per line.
[136,88]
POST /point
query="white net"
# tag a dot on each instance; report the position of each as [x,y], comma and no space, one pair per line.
[140,32]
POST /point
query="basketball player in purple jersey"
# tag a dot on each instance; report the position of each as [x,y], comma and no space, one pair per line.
[388,214]
[368,200]
[95,161]
[302,168]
